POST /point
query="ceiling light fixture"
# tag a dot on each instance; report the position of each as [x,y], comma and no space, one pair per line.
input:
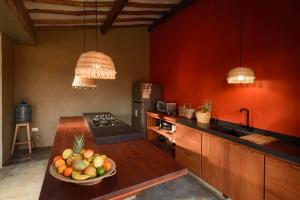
[80,82]
[83,83]
[241,75]
[93,64]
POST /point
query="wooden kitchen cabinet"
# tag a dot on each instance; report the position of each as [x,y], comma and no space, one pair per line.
[215,161]
[245,173]
[189,159]
[188,138]
[238,171]
[188,148]
[282,180]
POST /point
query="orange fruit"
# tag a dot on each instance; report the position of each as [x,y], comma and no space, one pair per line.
[88,153]
[56,158]
[59,163]
[68,172]
[61,169]
[107,165]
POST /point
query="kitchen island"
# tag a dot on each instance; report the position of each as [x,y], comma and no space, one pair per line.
[139,163]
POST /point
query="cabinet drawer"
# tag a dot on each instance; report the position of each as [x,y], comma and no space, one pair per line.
[188,138]
[189,159]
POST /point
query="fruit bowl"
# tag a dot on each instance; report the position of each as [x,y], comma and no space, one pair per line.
[81,166]
[90,181]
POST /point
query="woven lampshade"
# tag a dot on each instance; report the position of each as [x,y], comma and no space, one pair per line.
[83,83]
[95,65]
[240,75]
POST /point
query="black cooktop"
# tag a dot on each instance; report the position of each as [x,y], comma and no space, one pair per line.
[104,120]
[107,129]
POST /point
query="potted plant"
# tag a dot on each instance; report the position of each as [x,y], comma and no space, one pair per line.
[203,112]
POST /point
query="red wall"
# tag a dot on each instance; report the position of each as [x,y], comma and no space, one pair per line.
[193,51]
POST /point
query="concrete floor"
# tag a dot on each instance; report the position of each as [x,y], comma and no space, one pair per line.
[184,188]
[32,169]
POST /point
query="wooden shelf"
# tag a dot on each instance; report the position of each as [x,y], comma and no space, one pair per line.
[165,133]
[165,117]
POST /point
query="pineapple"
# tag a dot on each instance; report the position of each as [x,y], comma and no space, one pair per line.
[77,147]
[78,143]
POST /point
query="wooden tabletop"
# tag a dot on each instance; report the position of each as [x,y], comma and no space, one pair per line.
[140,165]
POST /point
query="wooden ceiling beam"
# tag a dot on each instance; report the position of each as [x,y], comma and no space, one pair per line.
[103,4]
[87,27]
[81,21]
[150,5]
[18,9]
[68,12]
[74,3]
[176,9]
[92,12]
[52,27]
[64,21]
[114,12]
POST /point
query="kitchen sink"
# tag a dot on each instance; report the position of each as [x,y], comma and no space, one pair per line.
[230,131]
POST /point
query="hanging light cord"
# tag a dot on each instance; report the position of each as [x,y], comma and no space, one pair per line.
[241,41]
[84,26]
[96,25]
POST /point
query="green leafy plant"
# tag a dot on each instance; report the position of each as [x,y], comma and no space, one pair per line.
[206,107]
[78,143]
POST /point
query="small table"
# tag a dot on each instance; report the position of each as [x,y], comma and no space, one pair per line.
[140,165]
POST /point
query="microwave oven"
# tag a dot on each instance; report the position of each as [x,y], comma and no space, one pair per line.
[169,108]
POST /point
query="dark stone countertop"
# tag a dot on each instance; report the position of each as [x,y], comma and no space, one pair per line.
[286,147]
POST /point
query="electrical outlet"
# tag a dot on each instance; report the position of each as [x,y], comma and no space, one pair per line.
[35,129]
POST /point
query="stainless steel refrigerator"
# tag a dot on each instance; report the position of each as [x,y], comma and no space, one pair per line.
[144,98]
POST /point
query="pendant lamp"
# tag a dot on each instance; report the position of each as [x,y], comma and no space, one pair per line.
[241,75]
[83,83]
[94,64]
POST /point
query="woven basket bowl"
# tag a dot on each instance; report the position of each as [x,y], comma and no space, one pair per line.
[203,117]
[186,111]
[91,181]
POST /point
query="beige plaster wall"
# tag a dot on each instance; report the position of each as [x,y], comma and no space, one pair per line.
[8,95]
[44,74]
[1,101]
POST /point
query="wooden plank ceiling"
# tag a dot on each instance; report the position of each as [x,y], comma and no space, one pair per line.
[69,14]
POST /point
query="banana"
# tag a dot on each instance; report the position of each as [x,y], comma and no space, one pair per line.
[78,176]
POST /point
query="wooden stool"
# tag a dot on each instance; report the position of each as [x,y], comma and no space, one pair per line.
[19,125]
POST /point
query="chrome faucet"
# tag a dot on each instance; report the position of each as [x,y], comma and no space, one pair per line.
[247,115]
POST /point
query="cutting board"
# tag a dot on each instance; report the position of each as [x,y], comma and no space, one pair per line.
[259,139]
